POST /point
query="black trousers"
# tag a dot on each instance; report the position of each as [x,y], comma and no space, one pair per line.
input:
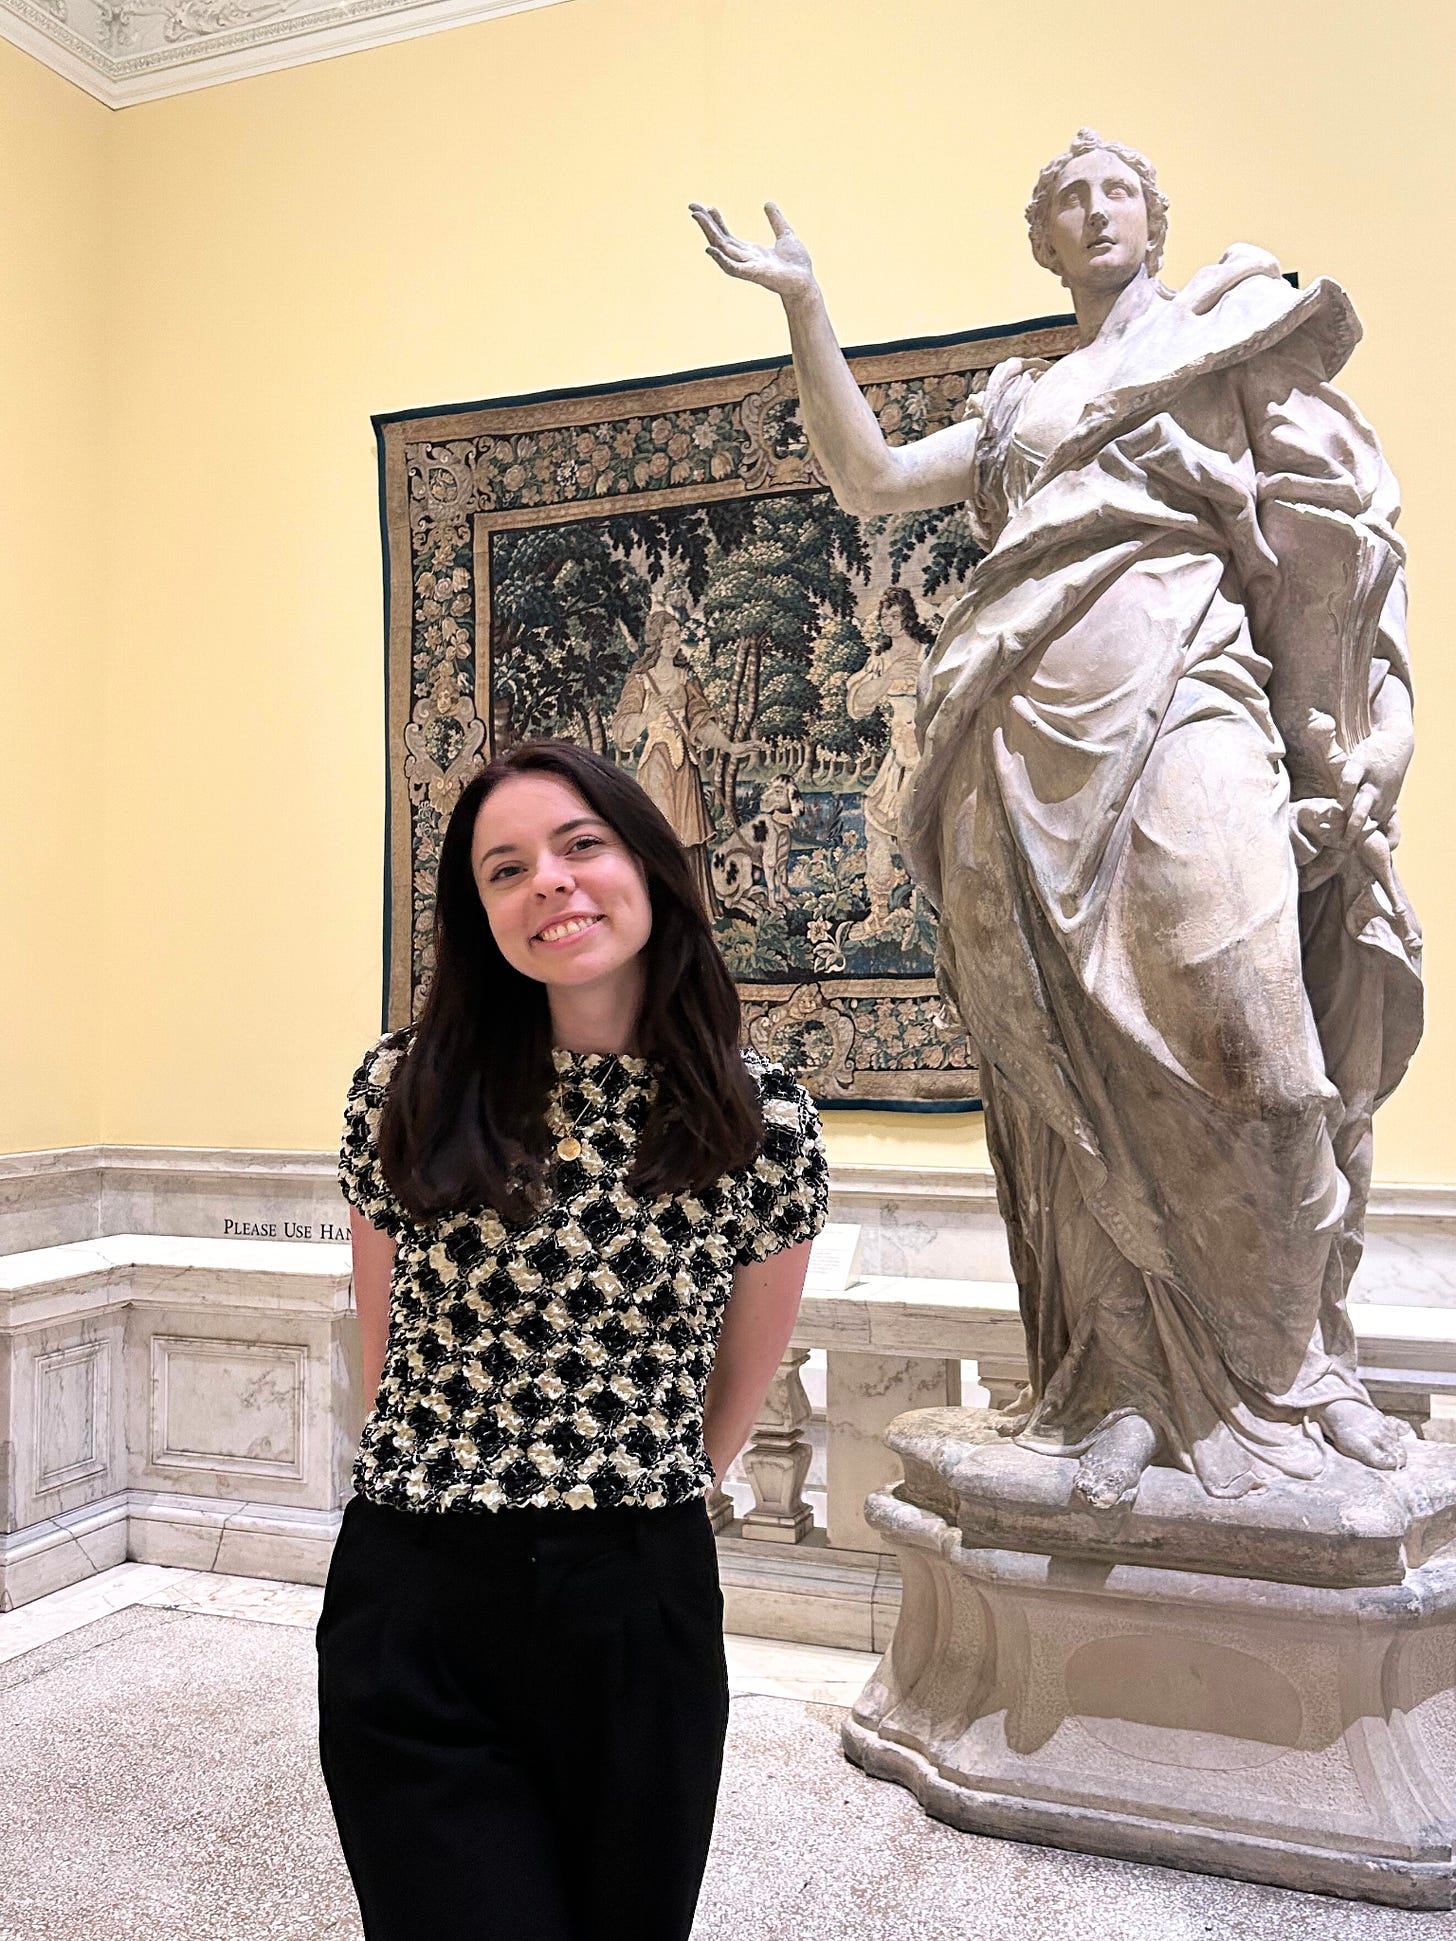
[521,1720]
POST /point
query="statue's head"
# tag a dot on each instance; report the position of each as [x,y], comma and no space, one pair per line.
[1097,215]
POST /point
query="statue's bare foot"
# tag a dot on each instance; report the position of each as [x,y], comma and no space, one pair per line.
[1360,1431]
[1111,1469]
[1010,1418]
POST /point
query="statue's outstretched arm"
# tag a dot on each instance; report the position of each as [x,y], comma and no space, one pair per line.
[865,474]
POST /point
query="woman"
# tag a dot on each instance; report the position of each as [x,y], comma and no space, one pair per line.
[581,1222]
[1162,738]
[888,680]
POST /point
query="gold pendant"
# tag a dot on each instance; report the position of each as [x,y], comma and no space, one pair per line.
[568,1148]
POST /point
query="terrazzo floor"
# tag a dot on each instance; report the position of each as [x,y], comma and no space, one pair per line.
[160,1785]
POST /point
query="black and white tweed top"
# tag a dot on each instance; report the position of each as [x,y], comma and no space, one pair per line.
[564,1364]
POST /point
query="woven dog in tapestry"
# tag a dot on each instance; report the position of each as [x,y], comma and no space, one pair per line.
[657,571]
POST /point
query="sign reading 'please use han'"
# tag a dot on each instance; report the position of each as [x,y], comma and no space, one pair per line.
[283,1230]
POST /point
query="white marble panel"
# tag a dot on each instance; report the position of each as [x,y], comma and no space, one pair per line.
[281,1275]
[835,1320]
[59,1283]
[50,1199]
[343,1411]
[183,1532]
[965,1320]
[1410,1261]
[826,1618]
[132,1270]
[965,1242]
[295,1557]
[941,1224]
[250,1408]
[72,1439]
[227,1406]
[64,1424]
[864,1394]
[946,1225]
[1405,1336]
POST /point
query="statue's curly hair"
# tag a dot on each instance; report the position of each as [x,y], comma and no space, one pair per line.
[1085,142]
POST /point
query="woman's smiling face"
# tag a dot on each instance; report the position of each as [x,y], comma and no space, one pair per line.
[566,900]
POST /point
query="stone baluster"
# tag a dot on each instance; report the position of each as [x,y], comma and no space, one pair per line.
[777,1459]
[720,1508]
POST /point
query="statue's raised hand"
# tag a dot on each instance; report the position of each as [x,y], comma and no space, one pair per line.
[785,267]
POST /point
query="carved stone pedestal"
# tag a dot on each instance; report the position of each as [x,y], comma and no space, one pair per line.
[1264,1687]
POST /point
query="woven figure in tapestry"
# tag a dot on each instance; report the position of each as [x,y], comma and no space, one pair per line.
[662,701]
[888,681]
[1161,739]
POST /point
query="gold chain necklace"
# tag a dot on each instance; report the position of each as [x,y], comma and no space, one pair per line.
[568,1146]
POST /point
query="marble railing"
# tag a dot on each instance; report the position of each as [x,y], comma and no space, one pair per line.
[893,1344]
[177,1394]
[940,1225]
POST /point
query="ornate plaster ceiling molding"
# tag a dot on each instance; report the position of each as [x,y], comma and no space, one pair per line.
[123,51]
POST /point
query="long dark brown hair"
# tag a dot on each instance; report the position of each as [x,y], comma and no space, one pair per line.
[903,601]
[464,1121]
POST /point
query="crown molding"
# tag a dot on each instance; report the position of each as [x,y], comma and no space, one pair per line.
[127,51]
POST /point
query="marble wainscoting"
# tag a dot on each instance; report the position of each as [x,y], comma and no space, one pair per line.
[52,1199]
[188,1397]
[939,1225]
[49,1198]
[1410,1248]
[946,1226]
[173,1401]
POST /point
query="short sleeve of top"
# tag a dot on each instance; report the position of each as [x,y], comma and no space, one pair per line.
[361,1179]
[786,1188]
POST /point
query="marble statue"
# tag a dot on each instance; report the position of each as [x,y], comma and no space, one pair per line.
[1162,736]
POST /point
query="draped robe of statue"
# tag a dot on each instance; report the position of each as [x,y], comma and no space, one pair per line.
[1186,1010]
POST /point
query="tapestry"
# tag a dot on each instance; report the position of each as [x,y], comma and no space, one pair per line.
[657,571]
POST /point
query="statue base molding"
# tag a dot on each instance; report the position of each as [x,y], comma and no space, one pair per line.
[1276,1702]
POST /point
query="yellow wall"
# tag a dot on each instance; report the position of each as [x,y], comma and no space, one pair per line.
[500,209]
[53,506]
